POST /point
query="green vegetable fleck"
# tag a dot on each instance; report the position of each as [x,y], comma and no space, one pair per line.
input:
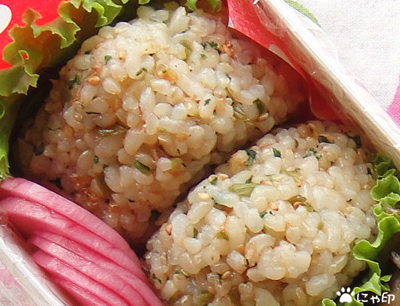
[214,180]
[277,153]
[142,167]
[222,235]
[267,212]
[75,81]
[203,299]
[141,70]
[239,113]
[243,190]
[107,58]
[260,106]
[322,138]
[195,232]
[108,132]
[211,44]
[252,156]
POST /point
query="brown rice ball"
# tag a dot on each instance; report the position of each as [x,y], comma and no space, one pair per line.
[144,107]
[273,226]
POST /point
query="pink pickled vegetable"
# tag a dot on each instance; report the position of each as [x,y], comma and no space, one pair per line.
[81,295]
[56,267]
[28,218]
[35,193]
[104,277]
[104,263]
[249,18]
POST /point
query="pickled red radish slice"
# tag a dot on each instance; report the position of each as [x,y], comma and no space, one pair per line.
[90,269]
[61,270]
[28,218]
[35,193]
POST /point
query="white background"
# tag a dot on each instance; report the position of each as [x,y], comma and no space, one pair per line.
[367,35]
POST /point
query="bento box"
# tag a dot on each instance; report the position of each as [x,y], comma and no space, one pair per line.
[232,158]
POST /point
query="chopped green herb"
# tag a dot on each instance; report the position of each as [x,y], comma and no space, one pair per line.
[75,81]
[141,70]
[105,167]
[311,151]
[298,199]
[154,215]
[188,49]
[260,106]
[178,294]
[277,153]
[322,138]
[239,113]
[211,44]
[357,140]
[223,207]
[141,167]
[222,235]
[108,132]
[252,156]
[96,159]
[318,157]
[176,164]
[249,179]
[294,174]
[243,190]
[207,101]
[39,149]
[195,232]
[267,212]
[214,181]
[153,276]
[203,56]
[57,183]
[107,58]
[203,299]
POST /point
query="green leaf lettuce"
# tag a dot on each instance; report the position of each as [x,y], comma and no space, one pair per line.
[387,192]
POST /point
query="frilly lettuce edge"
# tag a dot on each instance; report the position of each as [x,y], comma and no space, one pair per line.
[387,193]
[38,48]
